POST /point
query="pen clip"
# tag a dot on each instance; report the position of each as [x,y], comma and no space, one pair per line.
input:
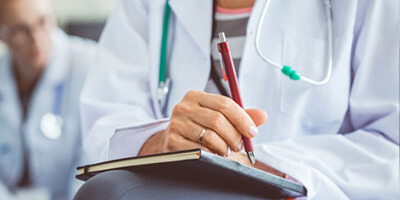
[223,67]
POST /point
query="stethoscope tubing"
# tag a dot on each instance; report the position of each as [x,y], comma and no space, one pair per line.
[328,11]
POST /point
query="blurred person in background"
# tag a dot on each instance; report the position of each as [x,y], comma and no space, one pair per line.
[41,77]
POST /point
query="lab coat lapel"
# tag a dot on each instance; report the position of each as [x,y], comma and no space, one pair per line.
[190,60]
[10,122]
[191,14]
[9,100]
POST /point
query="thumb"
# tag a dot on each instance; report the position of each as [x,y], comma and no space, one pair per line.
[258,116]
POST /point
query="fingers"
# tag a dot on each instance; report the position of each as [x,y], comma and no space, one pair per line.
[190,131]
[232,111]
[176,142]
[258,116]
[224,122]
[220,125]
[215,143]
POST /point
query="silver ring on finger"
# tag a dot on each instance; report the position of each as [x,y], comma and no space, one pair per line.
[202,134]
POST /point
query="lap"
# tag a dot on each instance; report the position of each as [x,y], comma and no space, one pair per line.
[122,184]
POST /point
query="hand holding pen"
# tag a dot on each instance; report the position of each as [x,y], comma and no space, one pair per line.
[230,76]
[208,121]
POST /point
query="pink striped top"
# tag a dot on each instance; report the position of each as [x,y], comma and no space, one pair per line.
[230,11]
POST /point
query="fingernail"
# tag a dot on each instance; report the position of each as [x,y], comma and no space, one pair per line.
[228,153]
[240,145]
[253,130]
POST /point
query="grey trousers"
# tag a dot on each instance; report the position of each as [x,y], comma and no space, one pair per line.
[122,185]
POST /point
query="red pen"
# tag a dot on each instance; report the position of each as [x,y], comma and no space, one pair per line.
[227,63]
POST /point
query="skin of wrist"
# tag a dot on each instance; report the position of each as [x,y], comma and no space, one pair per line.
[153,145]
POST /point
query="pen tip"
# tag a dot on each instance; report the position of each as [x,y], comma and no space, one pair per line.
[251,156]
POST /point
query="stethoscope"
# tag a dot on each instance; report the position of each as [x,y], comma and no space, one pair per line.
[164,81]
[287,70]
[51,124]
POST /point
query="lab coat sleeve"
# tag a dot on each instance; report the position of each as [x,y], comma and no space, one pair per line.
[5,193]
[117,92]
[364,162]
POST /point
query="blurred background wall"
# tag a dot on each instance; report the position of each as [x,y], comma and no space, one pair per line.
[84,18]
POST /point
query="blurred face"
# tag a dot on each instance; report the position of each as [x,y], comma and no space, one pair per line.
[25,27]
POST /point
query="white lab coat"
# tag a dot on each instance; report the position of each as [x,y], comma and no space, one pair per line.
[341,140]
[51,162]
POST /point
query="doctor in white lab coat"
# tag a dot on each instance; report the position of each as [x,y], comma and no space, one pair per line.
[340,140]
[32,156]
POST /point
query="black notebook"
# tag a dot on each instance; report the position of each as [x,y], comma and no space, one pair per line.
[203,167]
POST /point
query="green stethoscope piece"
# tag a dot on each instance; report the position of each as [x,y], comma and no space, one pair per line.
[162,82]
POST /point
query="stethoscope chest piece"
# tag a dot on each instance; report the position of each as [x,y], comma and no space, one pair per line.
[163,90]
[51,126]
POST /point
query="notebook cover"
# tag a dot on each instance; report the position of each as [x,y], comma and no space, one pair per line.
[215,170]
